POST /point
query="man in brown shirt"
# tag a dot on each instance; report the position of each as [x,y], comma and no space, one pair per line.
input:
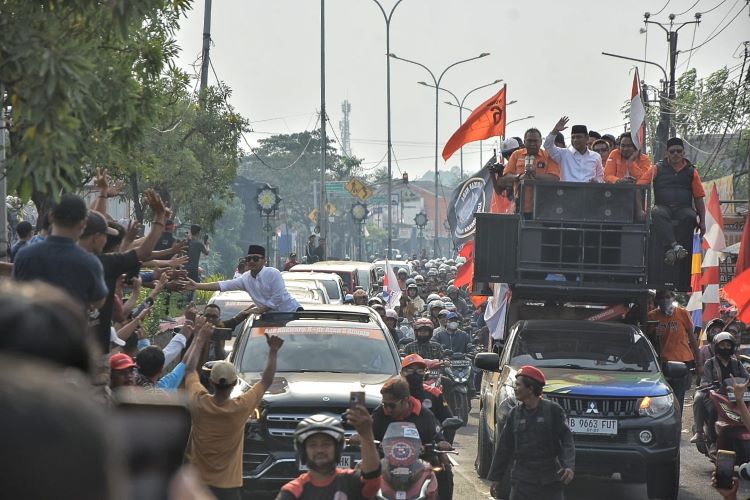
[217,435]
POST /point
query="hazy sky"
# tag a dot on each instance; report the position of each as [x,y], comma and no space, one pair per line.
[548,53]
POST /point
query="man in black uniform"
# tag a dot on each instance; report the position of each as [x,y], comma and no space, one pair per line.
[400,406]
[537,442]
[413,368]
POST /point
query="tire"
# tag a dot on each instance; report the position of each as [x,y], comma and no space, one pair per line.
[461,404]
[663,480]
[484,448]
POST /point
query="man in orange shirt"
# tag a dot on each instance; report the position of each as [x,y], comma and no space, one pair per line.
[530,162]
[626,164]
[677,342]
[678,195]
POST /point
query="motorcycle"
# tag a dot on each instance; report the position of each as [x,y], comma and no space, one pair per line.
[731,433]
[434,372]
[455,379]
[408,467]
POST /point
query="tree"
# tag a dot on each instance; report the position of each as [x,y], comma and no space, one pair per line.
[80,80]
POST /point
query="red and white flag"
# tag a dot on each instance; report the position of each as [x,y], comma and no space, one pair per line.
[637,115]
[714,242]
[391,289]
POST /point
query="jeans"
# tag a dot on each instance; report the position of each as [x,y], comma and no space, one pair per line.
[662,217]
[680,386]
[704,414]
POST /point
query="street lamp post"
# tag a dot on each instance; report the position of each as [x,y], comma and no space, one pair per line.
[359,214]
[519,119]
[387,17]
[436,81]
[421,221]
[268,203]
[460,105]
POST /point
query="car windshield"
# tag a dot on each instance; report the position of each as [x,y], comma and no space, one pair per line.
[608,351]
[363,275]
[304,294]
[231,307]
[332,287]
[341,349]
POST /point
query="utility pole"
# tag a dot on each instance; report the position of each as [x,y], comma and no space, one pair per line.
[3,207]
[206,46]
[666,129]
[322,212]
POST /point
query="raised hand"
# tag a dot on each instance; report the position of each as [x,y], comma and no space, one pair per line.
[561,124]
[274,342]
[155,202]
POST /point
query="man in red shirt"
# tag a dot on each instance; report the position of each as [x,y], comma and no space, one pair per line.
[676,339]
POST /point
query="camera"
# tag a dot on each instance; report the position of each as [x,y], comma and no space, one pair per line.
[224,334]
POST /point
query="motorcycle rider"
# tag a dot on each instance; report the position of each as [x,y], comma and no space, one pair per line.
[318,441]
[462,307]
[536,442]
[423,345]
[453,339]
[412,290]
[391,320]
[722,366]
[713,327]
[421,287]
[360,297]
[433,308]
[413,369]
[399,406]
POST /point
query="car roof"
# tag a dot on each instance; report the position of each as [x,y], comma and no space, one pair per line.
[333,312]
[333,265]
[577,326]
[311,275]
[237,295]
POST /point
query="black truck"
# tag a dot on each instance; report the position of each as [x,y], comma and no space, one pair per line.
[579,268]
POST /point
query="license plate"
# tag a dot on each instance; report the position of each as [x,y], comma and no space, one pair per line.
[345,462]
[580,425]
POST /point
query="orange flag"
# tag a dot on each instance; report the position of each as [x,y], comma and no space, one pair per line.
[487,120]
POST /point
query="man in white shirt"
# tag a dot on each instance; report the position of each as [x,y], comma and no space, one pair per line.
[577,162]
[264,284]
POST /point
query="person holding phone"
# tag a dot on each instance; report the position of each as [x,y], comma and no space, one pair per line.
[264,284]
[218,420]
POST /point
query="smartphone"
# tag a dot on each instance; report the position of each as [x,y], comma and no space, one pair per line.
[154,431]
[724,468]
[222,334]
[356,398]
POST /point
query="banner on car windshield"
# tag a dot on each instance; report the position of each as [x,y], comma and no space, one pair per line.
[372,333]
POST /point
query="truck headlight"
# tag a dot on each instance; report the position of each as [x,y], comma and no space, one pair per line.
[655,406]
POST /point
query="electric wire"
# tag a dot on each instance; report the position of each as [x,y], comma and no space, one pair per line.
[662,9]
[711,36]
[688,9]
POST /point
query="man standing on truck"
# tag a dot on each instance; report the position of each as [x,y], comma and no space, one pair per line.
[678,196]
[674,332]
[536,442]
[577,162]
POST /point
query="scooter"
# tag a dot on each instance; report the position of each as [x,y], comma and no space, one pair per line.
[433,374]
[456,378]
[408,468]
[731,433]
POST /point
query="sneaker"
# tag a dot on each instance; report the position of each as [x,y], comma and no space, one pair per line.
[680,252]
[698,436]
[670,257]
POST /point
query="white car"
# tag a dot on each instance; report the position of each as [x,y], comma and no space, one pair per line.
[330,282]
[307,293]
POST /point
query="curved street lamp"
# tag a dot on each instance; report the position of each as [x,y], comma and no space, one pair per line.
[268,201]
[436,82]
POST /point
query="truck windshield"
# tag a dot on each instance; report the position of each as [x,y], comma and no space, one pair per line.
[609,351]
[307,348]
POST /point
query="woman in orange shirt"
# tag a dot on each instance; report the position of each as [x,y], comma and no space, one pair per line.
[626,164]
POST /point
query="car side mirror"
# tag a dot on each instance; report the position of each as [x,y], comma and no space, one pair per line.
[487,361]
[452,424]
[675,369]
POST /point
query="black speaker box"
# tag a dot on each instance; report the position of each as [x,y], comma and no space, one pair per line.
[496,247]
[584,202]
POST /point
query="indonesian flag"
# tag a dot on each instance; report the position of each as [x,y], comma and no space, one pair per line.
[391,289]
[637,115]
[487,120]
[715,243]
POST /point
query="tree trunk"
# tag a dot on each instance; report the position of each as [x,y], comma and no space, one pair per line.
[136,199]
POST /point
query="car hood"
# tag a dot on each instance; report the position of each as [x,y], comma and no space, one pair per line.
[320,388]
[604,383]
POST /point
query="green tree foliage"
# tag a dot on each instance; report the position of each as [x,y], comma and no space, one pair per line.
[292,163]
[80,78]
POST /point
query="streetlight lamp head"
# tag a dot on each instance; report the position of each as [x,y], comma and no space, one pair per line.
[393,55]
[671,17]
[646,15]
[497,81]
[484,54]
[423,83]
[698,16]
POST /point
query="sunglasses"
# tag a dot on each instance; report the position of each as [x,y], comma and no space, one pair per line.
[409,371]
[253,258]
[675,151]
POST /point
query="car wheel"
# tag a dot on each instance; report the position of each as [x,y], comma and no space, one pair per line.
[484,447]
[462,406]
[663,480]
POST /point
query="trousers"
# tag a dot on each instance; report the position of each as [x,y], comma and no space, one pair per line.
[662,217]
[521,490]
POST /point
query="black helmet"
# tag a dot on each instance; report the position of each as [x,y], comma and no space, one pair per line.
[318,424]
[721,337]
[716,322]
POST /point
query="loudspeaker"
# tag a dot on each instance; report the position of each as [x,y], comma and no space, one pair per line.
[585,202]
[664,276]
[496,244]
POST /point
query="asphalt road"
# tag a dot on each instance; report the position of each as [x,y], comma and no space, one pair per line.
[695,473]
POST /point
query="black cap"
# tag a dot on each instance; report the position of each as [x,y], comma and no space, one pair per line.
[256,250]
[675,141]
[579,129]
[97,224]
[594,134]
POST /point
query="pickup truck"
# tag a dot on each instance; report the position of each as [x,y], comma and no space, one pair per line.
[607,378]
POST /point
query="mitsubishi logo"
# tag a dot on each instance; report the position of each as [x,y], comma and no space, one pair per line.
[592,408]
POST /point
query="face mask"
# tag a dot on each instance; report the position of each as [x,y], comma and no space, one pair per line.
[422,338]
[667,308]
[725,352]
[415,381]
[452,325]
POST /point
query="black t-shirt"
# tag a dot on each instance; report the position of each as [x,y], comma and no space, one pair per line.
[194,250]
[115,265]
[61,262]
[165,242]
[346,484]
[421,417]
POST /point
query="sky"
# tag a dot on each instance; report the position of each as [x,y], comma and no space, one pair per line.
[548,53]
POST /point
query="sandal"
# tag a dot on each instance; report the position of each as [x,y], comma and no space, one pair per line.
[679,251]
[670,257]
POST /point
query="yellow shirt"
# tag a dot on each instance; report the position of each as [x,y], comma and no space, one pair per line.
[217,436]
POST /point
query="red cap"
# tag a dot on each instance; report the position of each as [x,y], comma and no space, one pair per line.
[121,361]
[533,373]
[413,359]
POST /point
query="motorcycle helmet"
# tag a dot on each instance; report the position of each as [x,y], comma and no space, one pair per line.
[423,323]
[318,424]
[432,272]
[349,299]
[712,325]
[433,296]
[419,279]
[451,289]
[435,304]
[411,286]
[410,281]
[721,337]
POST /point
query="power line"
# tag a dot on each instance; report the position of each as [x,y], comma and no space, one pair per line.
[714,7]
[725,26]
[662,9]
[688,9]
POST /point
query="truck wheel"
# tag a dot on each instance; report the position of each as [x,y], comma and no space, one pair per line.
[484,448]
[663,480]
